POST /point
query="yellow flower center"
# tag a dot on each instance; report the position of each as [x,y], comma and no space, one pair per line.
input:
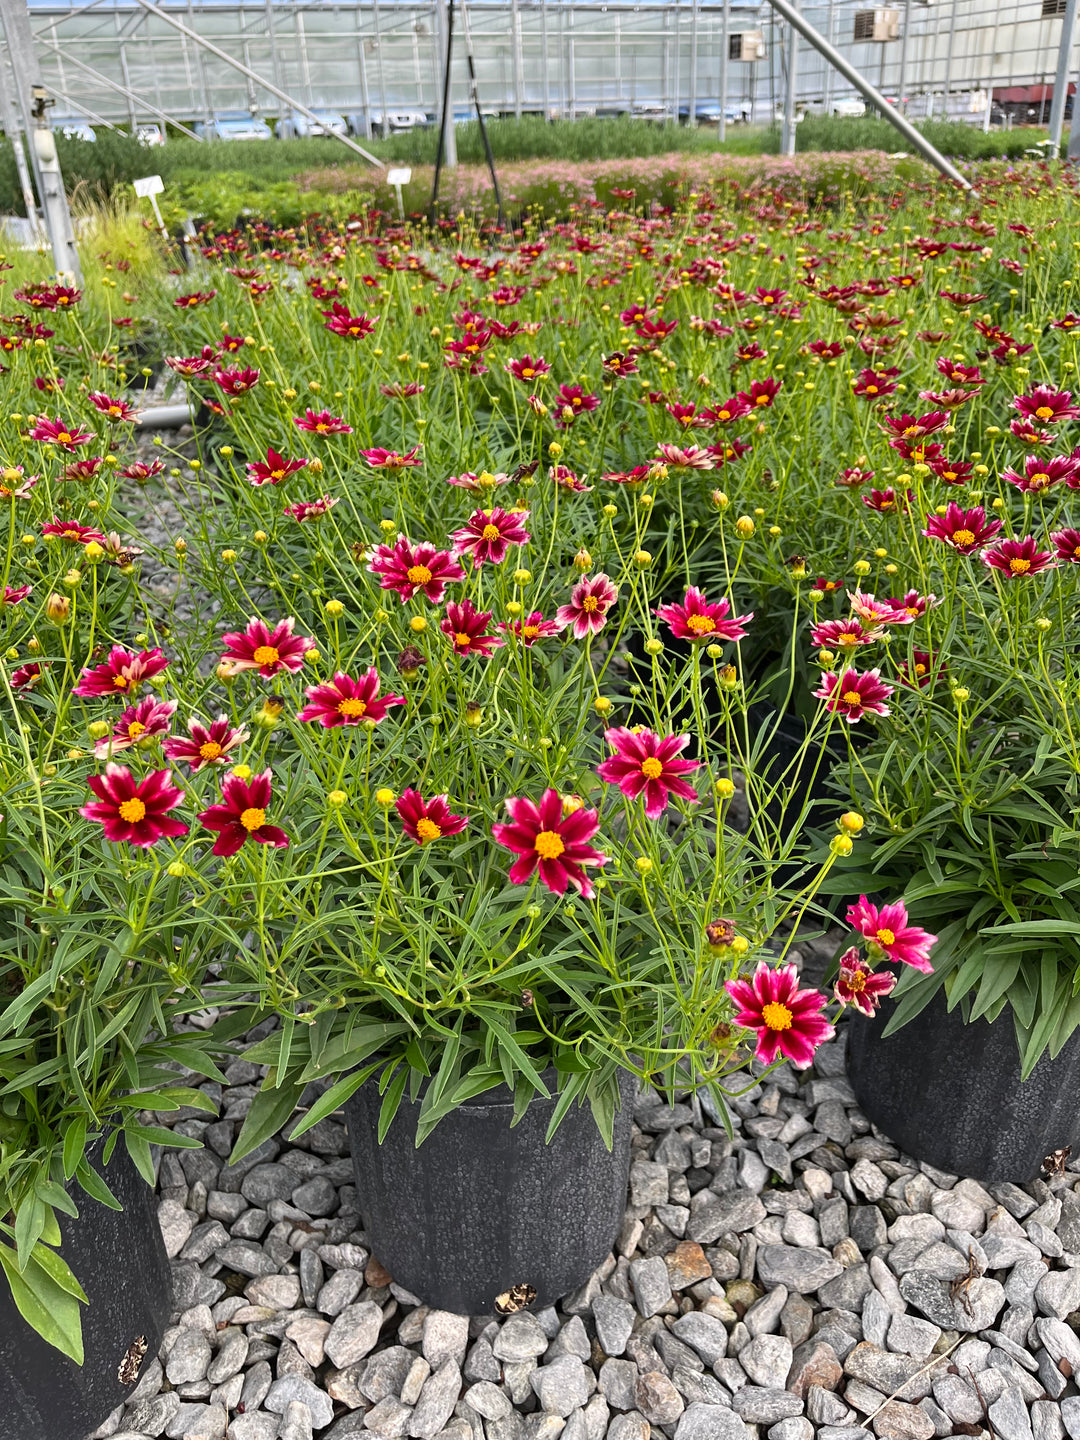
[963,537]
[1044,412]
[1040,480]
[528,372]
[871,390]
[920,668]
[1019,566]
[252,819]
[530,632]
[886,937]
[266,655]
[418,575]
[724,415]
[277,474]
[851,697]
[322,427]
[761,400]
[120,681]
[135,729]
[64,438]
[652,768]
[549,845]
[856,981]
[462,639]
[132,810]
[700,624]
[490,532]
[352,707]
[590,603]
[776,1016]
[210,750]
[427,830]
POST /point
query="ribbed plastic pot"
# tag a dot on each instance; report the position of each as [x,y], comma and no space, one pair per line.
[120,1261]
[481,1209]
[951,1094]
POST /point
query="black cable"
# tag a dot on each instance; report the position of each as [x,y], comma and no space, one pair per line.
[483,132]
[445,107]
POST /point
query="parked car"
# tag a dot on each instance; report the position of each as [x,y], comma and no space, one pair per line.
[233,125]
[393,123]
[658,114]
[150,135]
[850,107]
[707,112]
[77,130]
[297,126]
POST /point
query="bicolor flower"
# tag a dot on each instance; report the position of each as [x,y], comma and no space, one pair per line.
[406,568]
[135,811]
[550,844]
[344,701]
[265,650]
[489,534]
[648,764]
[853,695]
[788,1021]
[122,673]
[208,744]
[590,600]
[860,986]
[889,933]
[427,820]
[241,815]
[697,618]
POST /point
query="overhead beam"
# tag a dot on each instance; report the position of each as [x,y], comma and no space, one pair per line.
[788,12]
[140,100]
[216,50]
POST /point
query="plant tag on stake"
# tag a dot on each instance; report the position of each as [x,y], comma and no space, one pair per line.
[149,188]
[398,178]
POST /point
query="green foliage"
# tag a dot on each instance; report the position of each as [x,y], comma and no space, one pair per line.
[950,137]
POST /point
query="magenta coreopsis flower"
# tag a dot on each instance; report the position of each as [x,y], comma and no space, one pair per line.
[268,651]
[275,468]
[915,604]
[136,811]
[860,986]
[427,820]
[853,695]
[550,843]
[146,719]
[485,480]
[380,459]
[58,432]
[208,744]
[700,619]
[114,411]
[321,422]
[1017,558]
[648,764]
[15,484]
[888,501]
[349,327]
[241,816]
[534,627]
[1067,545]
[529,368]
[14,595]
[344,701]
[1046,405]
[788,1021]
[685,457]
[304,510]
[70,532]
[489,534]
[142,470]
[406,568]
[877,612]
[914,427]
[888,931]
[236,379]
[570,401]
[965,530]
[843,633]
[25,677]
[1040,474]
[122,673]
[188,366]
[590,600]
[467,629]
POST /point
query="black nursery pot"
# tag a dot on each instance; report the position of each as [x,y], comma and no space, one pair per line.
[480,1208]
[120,1261]
[951,1094]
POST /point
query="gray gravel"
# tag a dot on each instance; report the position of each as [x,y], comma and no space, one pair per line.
[801,1281]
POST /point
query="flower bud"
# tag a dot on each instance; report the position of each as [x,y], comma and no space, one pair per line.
[98,729]
[93,552]
[861,567]
[336,798]
[418,624]
[384,798]
[58,609]
[720,500]
[642,559]
[960,694]
[744,527]
[242,772]
[841,845]
[740,945]
[816,596]
[522,577]
[601,705]
[724,788]
[474,715]
[728,677]
[851,822]
[571,804]
[270,712]
[643,864]
[334,608]
[582,560]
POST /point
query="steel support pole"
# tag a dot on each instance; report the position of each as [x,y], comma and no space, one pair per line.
[33,101]
[365,96]
[132,117]
[570,64]
[545,58]
[1061,77]
[949,57]
[788,11]
[902,97]
[13,126]
[245,70]
[725,48]
[382,66]
[446,53]
[518,58]
[787,137]
[830,35]
[275,59]
[692,119]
